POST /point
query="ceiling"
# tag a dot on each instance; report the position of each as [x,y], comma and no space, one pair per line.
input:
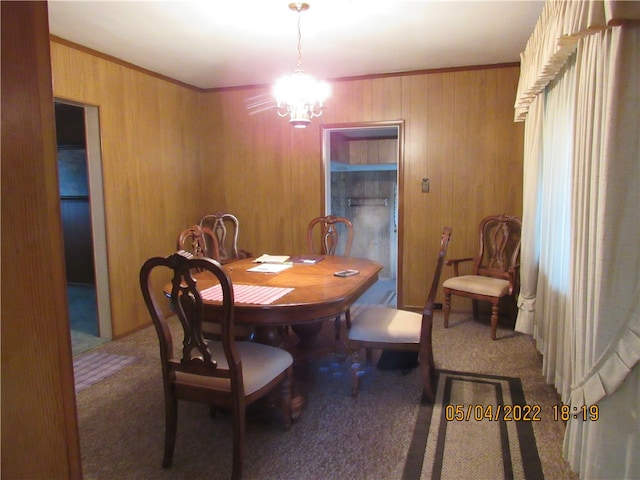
[215,43]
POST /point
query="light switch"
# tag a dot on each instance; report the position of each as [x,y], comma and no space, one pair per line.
[425,185]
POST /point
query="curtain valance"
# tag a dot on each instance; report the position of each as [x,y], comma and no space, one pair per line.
[561,25]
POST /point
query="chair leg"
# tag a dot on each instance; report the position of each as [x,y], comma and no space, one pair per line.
[494,320]
[239,426]
[338,323]
[171,423]
[474,303]
[369,352]
[428,381]
[356,373]
[446,308]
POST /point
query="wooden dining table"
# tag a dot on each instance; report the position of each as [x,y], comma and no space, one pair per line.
[313,292]
[306,294]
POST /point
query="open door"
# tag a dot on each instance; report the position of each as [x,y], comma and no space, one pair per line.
[362,171]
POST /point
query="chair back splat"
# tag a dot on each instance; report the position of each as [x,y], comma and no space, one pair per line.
[225,227]
[323,235]
[199,241]
[495,274]
[399,330]
[227,374]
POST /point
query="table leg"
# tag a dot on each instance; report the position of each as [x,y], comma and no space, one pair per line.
[268,336]
[307,333]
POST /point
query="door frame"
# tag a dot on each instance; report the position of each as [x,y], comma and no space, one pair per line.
[97,208]
[325,129]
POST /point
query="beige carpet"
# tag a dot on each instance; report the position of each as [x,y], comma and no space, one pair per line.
[121,418]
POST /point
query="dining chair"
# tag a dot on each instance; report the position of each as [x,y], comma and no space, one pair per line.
[226,228]
[224,374]
[495,275]
[324,238]
[199,241]
[380,327]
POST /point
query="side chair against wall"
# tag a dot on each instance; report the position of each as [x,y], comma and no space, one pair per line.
[389,328]
[323,237]
[226,374]
[495,273]
[226,228]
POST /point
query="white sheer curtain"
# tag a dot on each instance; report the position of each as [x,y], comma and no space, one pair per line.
[553,294]
[579,92]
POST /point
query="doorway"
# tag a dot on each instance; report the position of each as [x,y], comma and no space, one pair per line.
[362,171]
[82,210]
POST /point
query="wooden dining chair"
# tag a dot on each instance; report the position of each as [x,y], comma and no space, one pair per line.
[392,329]
[224,374]
[199,241]
[226,229]
[495,275]
[324,238]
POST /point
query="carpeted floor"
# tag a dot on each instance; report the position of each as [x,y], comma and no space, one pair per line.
[121,419]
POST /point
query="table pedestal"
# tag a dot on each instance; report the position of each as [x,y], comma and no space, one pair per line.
[307,333]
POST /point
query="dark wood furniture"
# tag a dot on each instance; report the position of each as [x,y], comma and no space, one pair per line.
[495,273]
[199,241]
[226,228]
[226,374]
[323,237]
[389,328]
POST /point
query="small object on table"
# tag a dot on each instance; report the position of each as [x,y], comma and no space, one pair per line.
[346,273]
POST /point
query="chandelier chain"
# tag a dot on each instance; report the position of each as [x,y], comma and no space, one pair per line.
[299,67]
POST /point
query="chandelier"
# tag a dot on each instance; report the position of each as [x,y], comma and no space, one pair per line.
[299,96]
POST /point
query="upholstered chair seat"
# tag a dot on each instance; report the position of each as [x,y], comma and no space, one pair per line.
[479,285]
[387,325]
[260,365]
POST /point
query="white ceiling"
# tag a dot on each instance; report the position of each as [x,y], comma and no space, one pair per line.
[215,43]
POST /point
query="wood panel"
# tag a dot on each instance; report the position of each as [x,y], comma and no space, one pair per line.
[39,426]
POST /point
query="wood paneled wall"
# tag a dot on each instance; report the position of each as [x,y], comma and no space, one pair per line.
[172,154]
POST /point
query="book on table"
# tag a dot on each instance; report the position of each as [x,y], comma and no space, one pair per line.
[266,258]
